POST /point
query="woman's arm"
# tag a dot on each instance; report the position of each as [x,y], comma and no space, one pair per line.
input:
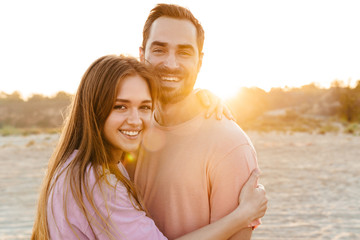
[126,221]
[213,104]
[253,205]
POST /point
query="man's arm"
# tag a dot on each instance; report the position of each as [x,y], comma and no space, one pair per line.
[227,179]
[253,204]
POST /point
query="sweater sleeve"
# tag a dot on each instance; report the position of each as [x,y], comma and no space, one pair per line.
[125,221]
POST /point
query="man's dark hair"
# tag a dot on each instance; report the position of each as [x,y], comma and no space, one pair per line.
[173,11]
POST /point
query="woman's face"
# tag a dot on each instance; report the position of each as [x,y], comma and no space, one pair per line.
[130,115]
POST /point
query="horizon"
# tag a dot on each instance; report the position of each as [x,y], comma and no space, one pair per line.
[341,83]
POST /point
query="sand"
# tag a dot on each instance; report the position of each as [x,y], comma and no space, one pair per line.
[312,181]
[23,161]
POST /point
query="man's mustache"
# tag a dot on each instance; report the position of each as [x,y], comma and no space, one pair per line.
[162,70]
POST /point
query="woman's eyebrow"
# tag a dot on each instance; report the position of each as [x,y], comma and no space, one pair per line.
[127,101]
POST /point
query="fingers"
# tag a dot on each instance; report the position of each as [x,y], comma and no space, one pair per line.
[262,202]
[219,110]
[209,101]
[213,104]
[203,95]
[253,196]
[260,186]
[211,110]
[227,113]
[262,210]
[252,180]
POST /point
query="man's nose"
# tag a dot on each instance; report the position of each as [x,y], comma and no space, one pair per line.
[171,61]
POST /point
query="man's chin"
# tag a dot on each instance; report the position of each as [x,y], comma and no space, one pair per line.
[170,97]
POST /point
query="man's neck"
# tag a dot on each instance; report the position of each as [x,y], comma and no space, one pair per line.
[170,114]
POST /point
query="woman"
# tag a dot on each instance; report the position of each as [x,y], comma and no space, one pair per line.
[87,193]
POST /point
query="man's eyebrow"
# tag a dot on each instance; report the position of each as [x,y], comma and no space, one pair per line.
[158,43]
[164,44]
[186,46]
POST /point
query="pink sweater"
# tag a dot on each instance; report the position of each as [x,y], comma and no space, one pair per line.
[125,220]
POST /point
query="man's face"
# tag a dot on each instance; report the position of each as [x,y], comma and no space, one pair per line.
[172,49]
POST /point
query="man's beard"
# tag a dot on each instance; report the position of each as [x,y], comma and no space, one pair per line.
[174,95]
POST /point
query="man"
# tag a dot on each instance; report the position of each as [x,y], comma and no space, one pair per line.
[190,169]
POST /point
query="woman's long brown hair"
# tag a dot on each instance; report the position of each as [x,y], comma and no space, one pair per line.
[83,131]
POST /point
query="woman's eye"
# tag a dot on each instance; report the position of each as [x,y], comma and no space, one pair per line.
[145,107]
[119,107]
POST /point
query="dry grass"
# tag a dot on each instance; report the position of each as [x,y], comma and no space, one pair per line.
[12,131]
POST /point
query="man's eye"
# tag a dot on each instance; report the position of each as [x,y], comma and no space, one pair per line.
[158,50]
[185,53]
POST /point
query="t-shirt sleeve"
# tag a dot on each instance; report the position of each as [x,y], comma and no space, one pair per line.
[126,222]
[227,177]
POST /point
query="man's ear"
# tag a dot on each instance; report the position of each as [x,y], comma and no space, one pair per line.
[142,54]
[201,55]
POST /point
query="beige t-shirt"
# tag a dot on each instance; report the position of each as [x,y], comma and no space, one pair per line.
[191,174]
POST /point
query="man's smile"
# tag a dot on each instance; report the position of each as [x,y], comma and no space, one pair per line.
[170,78]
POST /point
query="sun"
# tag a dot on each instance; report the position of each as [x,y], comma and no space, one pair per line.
[223,91]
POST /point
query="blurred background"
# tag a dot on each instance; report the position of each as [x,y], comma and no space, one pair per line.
[288,70]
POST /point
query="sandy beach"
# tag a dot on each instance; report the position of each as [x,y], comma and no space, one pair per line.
[312,181]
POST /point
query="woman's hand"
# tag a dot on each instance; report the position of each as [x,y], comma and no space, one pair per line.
[213,104]
[253,200]
[252,206]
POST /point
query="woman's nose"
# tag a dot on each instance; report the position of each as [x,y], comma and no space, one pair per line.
[134,118]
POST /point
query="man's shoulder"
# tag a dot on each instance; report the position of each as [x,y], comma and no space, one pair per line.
[226,130]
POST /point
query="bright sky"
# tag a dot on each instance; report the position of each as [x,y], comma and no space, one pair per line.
[46,46]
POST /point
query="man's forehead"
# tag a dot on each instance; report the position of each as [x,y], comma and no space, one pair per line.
[173,31]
